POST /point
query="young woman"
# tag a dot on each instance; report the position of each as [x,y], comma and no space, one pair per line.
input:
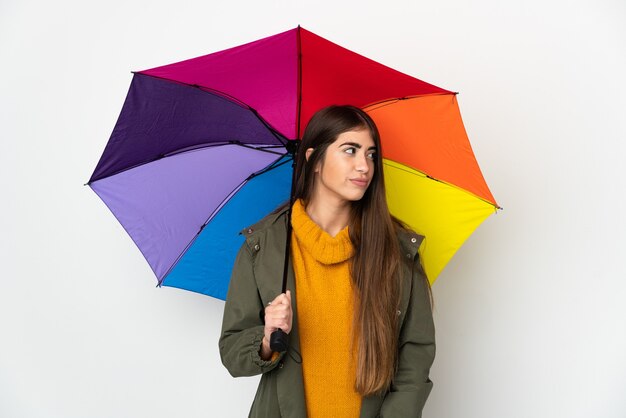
[358,311]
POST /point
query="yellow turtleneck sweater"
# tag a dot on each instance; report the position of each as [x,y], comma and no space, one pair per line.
[325,305]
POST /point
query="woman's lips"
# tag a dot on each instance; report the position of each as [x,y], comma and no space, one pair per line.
[359,182]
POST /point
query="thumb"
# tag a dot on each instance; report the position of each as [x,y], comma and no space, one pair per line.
[289,295]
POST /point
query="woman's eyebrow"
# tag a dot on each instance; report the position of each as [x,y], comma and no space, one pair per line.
[357,145]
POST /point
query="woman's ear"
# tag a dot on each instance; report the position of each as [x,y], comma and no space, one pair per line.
[308,153]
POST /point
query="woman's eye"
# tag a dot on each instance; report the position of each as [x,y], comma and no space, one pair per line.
[371,155]
[350,150]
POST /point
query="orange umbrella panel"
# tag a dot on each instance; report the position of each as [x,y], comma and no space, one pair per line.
[427,134]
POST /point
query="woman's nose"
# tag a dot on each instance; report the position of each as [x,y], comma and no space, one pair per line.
[361,162]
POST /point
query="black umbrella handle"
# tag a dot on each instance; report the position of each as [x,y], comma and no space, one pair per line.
[279,341]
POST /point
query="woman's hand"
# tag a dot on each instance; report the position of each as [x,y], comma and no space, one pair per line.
[278,314]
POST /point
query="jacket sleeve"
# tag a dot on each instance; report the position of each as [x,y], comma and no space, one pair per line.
[412,385]
[242,325]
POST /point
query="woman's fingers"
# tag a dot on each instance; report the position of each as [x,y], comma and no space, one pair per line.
[278,314]
[278,318]
[278,309]
[282,299]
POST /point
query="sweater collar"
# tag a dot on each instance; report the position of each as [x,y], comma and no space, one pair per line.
[317,242]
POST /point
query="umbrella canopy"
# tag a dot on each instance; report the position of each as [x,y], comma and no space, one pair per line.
[199,152]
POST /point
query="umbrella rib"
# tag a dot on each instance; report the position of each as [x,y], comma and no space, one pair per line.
[262,149]
[196,148]
[236,189]
[219,144]
[190,243]
[227,96]
[392,100]
[269,146]
[198,86]
[299,103]
[414,171]
[270,167]
[273,165]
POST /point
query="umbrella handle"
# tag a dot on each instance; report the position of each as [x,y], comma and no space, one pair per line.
[279,341]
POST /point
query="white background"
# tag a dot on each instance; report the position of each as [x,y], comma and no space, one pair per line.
[530,314]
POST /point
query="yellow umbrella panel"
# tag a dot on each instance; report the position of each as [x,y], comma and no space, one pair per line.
[444,214]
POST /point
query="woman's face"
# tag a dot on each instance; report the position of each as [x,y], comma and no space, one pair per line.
[347,168]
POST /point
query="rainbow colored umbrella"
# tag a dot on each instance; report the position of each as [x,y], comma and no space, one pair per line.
[201,150]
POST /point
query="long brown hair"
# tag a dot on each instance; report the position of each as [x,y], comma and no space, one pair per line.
[376,261]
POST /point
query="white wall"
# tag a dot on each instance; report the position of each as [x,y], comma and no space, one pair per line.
[530,314]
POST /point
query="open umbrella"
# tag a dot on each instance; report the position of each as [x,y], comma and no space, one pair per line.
[201,150]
